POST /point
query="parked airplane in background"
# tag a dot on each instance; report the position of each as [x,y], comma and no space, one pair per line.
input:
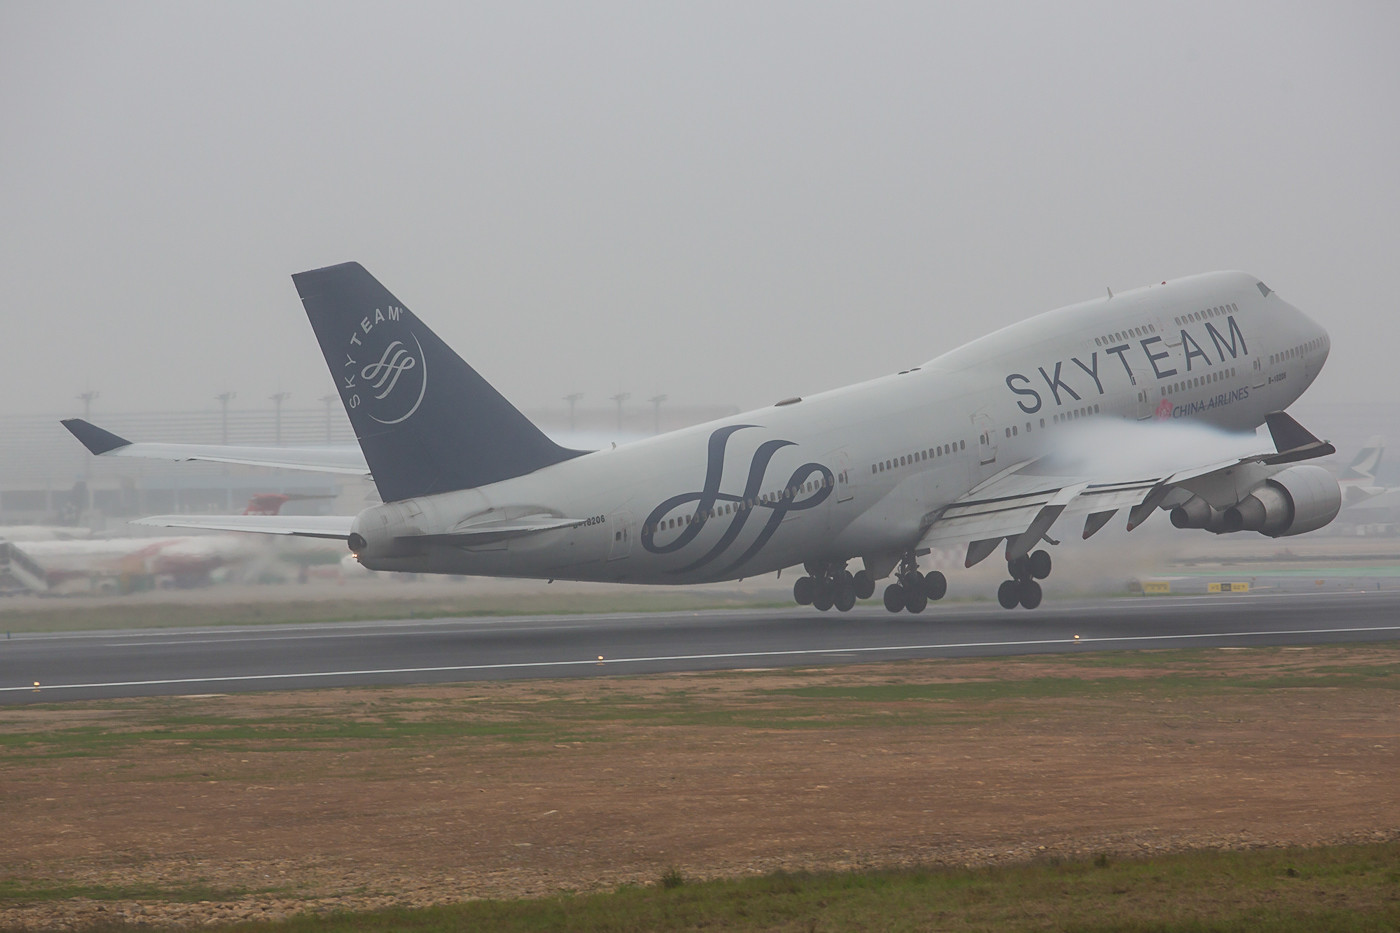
[42,563]
[43,533]
[1365,500]
[1358,480]
[986,446]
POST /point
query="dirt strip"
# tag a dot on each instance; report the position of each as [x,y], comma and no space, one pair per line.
[262,805]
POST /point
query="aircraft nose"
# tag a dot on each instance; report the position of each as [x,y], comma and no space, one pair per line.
[1325,343]
[1316,342]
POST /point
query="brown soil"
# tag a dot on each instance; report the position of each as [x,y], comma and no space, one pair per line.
[537,787]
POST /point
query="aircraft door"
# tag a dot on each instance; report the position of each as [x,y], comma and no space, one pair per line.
[845,477]
[1145,408]
[622,532]
[986,437]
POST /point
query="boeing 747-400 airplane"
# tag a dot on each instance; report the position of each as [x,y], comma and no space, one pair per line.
[989,446]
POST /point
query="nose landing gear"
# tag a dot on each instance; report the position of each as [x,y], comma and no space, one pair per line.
[1022,589]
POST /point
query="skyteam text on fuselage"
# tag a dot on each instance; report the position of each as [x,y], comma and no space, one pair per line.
[977,447]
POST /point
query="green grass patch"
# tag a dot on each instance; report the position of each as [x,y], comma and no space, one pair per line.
[625,708]
[1353,888]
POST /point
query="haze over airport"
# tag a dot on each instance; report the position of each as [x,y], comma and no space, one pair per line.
[724,202]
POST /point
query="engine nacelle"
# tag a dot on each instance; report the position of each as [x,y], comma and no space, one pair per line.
[1297,500]
[1198,513]
[383,533]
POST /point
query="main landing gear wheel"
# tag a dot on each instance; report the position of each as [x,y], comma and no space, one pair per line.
[912,590]
[864,584]
[1029,593]
[845,590]
[1021,589]
[824,588]
[1009,594]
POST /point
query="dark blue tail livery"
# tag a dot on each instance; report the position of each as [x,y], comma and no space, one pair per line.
[426,421]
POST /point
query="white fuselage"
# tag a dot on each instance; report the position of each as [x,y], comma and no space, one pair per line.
[862,470]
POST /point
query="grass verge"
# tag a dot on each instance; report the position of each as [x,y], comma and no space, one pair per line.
[1351,888]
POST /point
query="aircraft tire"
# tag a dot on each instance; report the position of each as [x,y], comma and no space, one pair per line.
[935,585]
[864,584]
[1020,568]
[894,597]
[845,599]
[915,600]
[1040,565]
[1030,593]
[1009,594]
[803,590]
[823,600]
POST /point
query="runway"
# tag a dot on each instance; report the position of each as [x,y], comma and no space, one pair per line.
[39,668]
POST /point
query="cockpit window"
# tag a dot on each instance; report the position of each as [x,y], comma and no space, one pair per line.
[1264,290]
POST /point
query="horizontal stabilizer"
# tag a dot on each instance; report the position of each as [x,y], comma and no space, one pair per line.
[317,459]
[97,440]
[304,526]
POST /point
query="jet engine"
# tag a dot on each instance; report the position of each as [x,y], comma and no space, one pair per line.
[1198,513]
[1295,501]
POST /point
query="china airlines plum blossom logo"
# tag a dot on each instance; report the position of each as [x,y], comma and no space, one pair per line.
[1164,409]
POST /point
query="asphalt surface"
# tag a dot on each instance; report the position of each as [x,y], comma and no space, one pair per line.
[40,668]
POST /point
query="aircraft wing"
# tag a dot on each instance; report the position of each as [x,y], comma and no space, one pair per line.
[104,443]
[1020,504]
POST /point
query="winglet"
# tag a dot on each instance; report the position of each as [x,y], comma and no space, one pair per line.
[95,439]
[1293,441]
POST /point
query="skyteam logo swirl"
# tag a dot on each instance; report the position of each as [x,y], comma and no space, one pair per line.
[710,504]
[388,378]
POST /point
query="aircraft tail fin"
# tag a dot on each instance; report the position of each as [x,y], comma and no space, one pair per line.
[425,419]
[1367,461]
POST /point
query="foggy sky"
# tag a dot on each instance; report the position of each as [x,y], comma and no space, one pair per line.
[724,202]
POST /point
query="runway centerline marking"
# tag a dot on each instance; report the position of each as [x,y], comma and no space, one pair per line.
[613,662]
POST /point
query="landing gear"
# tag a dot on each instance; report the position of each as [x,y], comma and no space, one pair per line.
[1022,589]
[912,590]
[864,584]
[830,587]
